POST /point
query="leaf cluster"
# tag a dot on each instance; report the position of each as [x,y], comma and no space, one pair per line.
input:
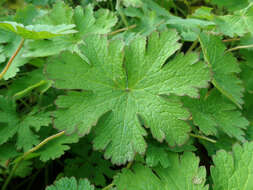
[126,95]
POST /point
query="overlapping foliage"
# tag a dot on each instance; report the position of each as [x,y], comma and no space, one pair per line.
[131,94]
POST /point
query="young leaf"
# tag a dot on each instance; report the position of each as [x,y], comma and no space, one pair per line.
[224,67]
[87,21]
[157,153]
[12,123]
[183,173]
[71,184]
[88,164]
[134,3]
[213,113]
[26,137]
[127,84]
[237,24]
[36,32]
[233,171]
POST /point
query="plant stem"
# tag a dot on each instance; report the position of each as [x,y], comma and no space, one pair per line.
[20,159]
[194,44]
[202,137]
[231,40]
[108,186]
[129,165]
[240,47]
[122,29]
[118,8]
[12,58]
[22,93]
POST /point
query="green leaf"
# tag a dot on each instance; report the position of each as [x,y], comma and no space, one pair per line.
[26,15]
[24,169]
[157,155]
[231,5]
[248,107]
[223,142]
[246,75]
[87,21]
[7,151]
[134,3]
[8,119]
[127,84]
[37,31]
[88,164]
[71,184]
[12,43]
[213,113]
[224,67]
[56,148]
[233,171]
[26,137]
[203,13]
[183,173]
[12,123]
[189,28]
[24,85]
[239,23]
[149,19]
[60,13]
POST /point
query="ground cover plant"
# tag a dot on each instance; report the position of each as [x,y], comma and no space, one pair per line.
[126,94]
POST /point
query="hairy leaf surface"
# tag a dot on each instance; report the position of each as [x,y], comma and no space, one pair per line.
[183,173]
[224,67]
[233,171]
[213,113]
[127,83]
[71,184]
[37,31]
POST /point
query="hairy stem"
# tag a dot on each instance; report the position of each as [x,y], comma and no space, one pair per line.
[12,58]
[21,158]
[202,137]
[119,9]
[194,44]
[240,47]
[122,29]
[231,40]
[108,186]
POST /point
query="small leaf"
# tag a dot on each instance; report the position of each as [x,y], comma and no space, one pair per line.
[71,184]
[213,113]
[224,67]
[56,148]
[37,31]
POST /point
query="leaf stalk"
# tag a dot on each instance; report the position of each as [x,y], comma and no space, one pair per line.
[12,58]
[202,137]
[21,158]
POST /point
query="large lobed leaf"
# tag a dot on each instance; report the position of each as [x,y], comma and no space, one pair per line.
[183,173]
[128,83]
